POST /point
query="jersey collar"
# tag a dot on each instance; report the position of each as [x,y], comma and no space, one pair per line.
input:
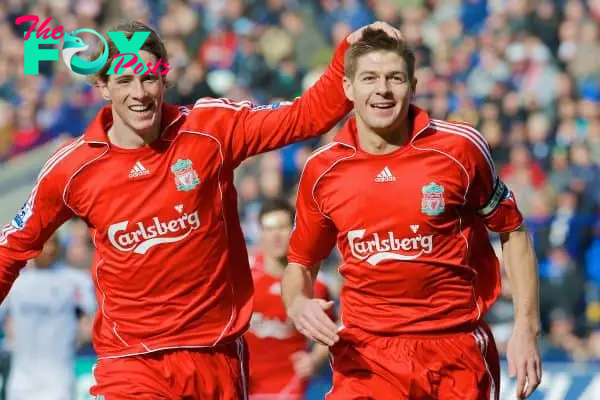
[348,134]
[98,128]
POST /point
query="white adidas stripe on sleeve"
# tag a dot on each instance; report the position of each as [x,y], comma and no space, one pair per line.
[474,136]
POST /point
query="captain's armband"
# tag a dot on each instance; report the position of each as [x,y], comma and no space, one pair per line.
[499,193]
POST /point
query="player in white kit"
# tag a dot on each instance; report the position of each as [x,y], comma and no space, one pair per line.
[42,321]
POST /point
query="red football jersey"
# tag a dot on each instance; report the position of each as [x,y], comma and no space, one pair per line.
[410,226]
[171,267]
[272,339]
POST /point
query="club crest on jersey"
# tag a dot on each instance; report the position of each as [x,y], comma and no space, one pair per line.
[186,177]
[432,203]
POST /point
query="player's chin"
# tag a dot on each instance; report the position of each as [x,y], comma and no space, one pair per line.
[143,126]
[383,118]
[379,123]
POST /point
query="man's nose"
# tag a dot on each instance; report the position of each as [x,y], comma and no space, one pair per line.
[137,89]
[383,85]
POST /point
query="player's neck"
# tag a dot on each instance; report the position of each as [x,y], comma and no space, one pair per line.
[383,141]
[125,137]
[274,266]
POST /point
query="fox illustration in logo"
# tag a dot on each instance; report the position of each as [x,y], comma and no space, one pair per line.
[74,45]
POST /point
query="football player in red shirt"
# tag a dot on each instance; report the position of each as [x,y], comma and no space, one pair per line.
[154,183]
[280,362]
[409,199]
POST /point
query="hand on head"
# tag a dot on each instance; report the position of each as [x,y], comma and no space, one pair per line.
[384,26]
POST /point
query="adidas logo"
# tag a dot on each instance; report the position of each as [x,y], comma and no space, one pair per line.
[385,176]
[138,170]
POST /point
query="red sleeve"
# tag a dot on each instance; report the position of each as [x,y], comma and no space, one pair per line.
[254,130]
[314,234]
[487,194]
[23,238]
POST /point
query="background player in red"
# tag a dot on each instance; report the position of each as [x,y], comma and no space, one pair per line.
[408,200]
[154,183]
[281,362]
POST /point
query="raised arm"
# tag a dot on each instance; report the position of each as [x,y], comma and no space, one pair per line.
[253,130]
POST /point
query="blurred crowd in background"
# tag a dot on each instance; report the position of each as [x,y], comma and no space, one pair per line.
[526,73]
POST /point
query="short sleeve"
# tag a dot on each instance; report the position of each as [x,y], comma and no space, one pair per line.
[314,234]
[488,196]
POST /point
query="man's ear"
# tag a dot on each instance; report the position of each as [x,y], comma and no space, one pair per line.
[348,88]
[166,83]
[413,88]
[103,88]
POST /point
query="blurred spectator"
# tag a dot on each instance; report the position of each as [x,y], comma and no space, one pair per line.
[523,175]
[545,21]
[306,38]
[560,173]
[6,130]
[190,86]
[79,246]
[561,282]
[570,227]
[44,330]
[218,49]
[586,177]
[594,344]
[250,67]
[539,221]
[562,343]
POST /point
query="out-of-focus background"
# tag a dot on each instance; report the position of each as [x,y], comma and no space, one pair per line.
[526,73]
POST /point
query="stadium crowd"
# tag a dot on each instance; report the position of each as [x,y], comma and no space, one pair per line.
[525,73]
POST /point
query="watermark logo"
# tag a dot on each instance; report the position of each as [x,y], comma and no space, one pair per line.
[74,45]
[128,50]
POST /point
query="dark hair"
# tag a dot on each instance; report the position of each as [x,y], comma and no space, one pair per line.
[276,204]
[153,44]
[377,40]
